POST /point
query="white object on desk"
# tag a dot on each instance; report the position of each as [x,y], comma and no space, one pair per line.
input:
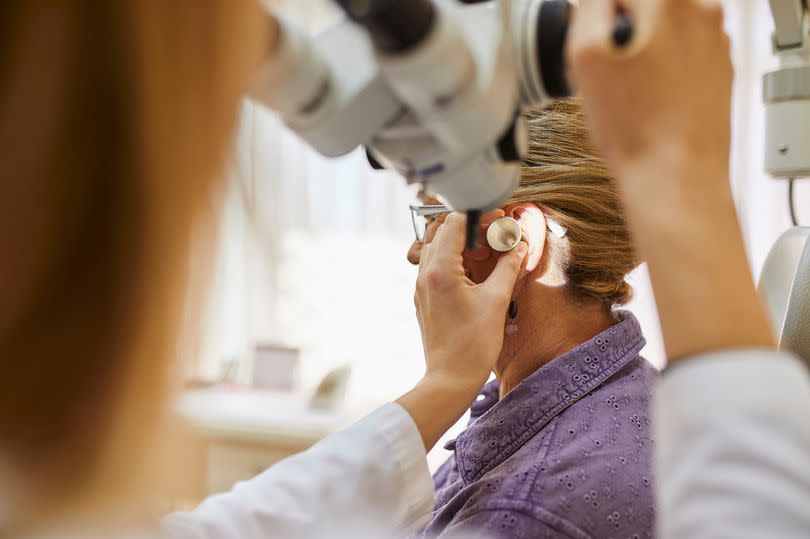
[275,367]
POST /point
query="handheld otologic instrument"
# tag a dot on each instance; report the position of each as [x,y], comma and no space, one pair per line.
[433,90]
[504,234]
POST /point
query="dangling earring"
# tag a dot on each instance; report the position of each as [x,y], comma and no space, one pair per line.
[511,326]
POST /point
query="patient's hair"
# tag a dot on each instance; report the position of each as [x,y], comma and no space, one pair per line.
[564,175]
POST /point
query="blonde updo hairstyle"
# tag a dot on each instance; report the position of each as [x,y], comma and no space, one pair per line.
[565,176]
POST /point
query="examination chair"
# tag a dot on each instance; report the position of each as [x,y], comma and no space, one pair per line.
[785,286]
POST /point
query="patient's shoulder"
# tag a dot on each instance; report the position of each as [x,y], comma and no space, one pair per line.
[587,473]
[592,467]
[598,462]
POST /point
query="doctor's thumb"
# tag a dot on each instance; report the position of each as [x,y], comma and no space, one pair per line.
[503,277]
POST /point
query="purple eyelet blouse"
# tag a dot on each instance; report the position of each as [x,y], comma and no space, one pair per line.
[567,453]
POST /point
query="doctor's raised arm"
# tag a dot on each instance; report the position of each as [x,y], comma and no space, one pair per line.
[733,441]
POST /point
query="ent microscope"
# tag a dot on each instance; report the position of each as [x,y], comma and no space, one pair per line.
[436,90]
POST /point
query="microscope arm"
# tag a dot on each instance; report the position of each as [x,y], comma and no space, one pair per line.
[788,16]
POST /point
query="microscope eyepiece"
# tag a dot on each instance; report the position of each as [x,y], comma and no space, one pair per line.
[539,33]
[395,26]
[552,30]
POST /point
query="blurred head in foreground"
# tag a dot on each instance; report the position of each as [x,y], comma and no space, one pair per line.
[115,122]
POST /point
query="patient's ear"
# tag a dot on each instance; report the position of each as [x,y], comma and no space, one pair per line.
[533,224]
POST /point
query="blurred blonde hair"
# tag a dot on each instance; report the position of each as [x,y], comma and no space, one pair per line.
[564,174]
[115,121]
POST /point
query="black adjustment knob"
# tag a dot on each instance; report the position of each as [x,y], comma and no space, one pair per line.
[473,224]
[623,31]
[373,161]
[395,26]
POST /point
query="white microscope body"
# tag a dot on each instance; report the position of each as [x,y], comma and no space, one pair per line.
[434,113]
[433,91]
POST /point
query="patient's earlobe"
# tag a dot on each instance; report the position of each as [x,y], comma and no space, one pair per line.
[533,224]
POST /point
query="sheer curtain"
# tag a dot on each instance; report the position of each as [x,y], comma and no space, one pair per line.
[313,250]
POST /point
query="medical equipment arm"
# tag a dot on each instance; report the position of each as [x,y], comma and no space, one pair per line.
[788,16]
[786,92]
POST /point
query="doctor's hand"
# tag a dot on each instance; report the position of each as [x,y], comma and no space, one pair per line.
[665,99]
[462,325]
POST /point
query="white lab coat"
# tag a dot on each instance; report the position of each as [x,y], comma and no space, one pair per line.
[733,460]
[368,481]
[733,447]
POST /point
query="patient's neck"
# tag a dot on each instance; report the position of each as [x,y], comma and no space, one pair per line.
[549,323]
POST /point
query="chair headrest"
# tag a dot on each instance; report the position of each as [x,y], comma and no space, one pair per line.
[785,287]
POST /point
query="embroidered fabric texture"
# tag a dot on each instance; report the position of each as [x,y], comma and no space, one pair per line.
[568,453]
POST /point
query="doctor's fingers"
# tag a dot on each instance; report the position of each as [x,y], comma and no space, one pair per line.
[441,263]
[592,24]
[449,238]
[591,36]
[433,227]
[666,33]
[501,282]
[672,16]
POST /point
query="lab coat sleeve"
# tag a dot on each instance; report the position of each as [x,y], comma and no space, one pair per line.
[733,447]
[369,480]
